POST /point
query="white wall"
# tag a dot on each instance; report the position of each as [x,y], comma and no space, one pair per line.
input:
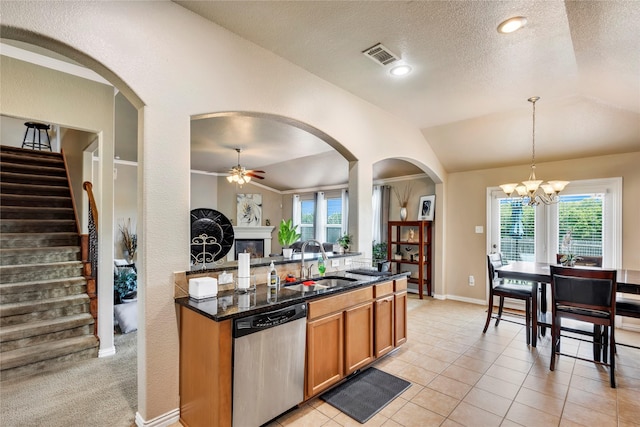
[166,61]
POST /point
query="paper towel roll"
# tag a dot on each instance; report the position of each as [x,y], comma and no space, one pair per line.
[243,270]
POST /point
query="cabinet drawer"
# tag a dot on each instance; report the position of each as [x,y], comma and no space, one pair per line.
[400,284]
[338,302]
[382,289]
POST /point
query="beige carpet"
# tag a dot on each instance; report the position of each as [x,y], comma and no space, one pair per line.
[96,392]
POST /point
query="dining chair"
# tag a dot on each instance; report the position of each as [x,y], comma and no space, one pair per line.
[502,289]
[587,295]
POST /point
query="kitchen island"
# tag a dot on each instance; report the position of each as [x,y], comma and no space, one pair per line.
[347,328]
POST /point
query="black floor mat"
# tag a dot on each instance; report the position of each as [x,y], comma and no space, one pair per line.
[366,394]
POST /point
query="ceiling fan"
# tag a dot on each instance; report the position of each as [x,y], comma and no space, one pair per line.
[240,175]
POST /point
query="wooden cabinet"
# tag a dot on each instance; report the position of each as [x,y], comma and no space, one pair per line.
[205,370]
[409,249]
[400,312]
[384,325]
[358,337]
[325,349]
[339,333]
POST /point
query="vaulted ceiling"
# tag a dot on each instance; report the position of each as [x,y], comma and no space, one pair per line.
[469,86]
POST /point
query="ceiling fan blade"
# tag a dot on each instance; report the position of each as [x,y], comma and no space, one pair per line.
[252,175]
[255,171]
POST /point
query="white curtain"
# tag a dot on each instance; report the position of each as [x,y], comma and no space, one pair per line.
[296,214]
[380,205]
[345,211]
[321,217]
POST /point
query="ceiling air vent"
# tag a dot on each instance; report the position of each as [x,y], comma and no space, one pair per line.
[380,54]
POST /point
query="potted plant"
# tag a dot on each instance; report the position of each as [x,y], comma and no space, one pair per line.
[125,283]
[287,235]
[344,241]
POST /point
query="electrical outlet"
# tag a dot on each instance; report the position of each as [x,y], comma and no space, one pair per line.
[347,261]
[472,281]
[335,263]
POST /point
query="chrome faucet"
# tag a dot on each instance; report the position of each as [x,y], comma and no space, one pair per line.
[304,272]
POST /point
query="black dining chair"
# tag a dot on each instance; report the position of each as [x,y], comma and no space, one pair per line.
[586,295]
[502,289]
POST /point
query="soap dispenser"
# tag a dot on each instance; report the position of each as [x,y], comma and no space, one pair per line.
[273,281]
[321,266]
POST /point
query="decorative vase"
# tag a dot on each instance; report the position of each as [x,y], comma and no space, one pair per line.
[403,213]
[287,253]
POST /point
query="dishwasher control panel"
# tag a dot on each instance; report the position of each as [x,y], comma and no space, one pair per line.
[257,322]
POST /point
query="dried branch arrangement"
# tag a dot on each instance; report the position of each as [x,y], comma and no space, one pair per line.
[403,198]
[129,238]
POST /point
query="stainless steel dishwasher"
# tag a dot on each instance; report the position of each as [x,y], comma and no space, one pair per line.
[268,364]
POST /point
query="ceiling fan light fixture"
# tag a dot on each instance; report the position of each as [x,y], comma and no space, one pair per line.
[512,24]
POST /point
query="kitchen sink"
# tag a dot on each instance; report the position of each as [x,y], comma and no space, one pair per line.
[321,284]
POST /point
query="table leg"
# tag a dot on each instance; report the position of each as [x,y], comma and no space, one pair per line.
[543,305]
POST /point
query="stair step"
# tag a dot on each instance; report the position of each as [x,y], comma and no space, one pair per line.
[33,333]
[38,226]
[42,289]
[36,240]
[29,169]
[24,188]
[53,308]
[29,272]
[43,357]
[8,150]
[24,178]
[35,201]
[40,212]
[23,256]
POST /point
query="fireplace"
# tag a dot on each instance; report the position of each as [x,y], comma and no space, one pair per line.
[255,247]
[244,236]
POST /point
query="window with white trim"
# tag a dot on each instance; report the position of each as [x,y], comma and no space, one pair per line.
[591,209]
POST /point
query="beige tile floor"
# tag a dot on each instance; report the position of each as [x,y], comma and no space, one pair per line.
[461,377]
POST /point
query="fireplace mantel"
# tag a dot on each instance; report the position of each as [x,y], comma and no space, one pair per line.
[260,232]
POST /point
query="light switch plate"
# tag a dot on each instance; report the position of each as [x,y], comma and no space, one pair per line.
[479,229]
[335,263]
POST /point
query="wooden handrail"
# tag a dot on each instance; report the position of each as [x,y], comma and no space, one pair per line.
[90,254]
[88,187]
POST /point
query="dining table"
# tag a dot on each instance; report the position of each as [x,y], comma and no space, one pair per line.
[627,281]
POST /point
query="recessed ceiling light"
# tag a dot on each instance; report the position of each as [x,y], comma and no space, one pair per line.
[400,70]
[512,24]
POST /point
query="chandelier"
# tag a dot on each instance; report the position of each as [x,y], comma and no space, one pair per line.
[240,175]
[533,189]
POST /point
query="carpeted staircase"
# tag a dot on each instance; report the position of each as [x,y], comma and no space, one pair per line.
[44,306]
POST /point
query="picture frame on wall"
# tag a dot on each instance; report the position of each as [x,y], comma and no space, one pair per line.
[249,210]
[426,208]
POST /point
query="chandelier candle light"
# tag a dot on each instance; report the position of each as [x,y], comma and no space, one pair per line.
[533,189]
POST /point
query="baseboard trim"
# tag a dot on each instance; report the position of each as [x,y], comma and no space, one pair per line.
[465,299]
[163,420]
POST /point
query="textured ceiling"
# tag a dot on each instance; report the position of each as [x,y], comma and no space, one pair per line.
[469,86]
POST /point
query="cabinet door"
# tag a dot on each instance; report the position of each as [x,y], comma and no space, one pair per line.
[358,337]
[325,350]
[400,323]
[384,325]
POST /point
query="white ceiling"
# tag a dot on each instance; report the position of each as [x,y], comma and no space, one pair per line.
[469,87]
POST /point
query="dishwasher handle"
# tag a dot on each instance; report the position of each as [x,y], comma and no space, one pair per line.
[259,322]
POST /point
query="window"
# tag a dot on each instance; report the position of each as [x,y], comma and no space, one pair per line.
[334,219]
[307,219]
[579,224]
[587,217]
[321,216]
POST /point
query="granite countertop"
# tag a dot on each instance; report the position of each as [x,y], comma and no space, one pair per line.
[232,304]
